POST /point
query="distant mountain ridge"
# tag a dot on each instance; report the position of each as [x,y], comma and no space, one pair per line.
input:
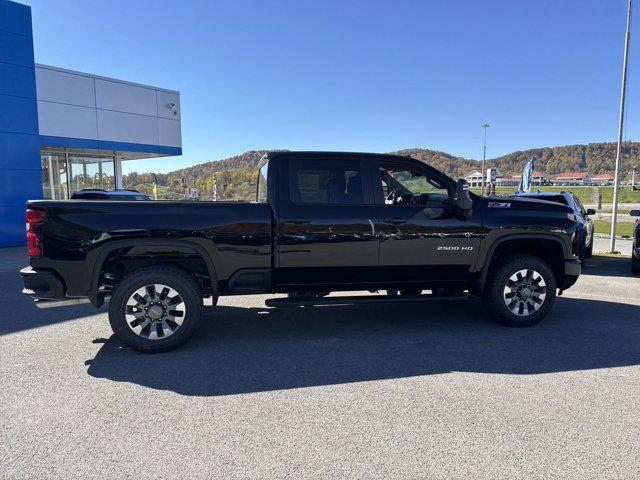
[592,157]
[235,177]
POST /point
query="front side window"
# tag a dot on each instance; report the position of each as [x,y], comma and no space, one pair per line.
[326,181]
[403,185]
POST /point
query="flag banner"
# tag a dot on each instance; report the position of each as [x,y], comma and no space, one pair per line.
[525,180]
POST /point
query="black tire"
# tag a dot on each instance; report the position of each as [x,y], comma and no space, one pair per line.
[176,280]
[589,252]
[495,299]
[635,263]
[582,251]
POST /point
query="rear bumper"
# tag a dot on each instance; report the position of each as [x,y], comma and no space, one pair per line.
[572,270]
[42,284]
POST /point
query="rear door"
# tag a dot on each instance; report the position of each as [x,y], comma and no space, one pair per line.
[325,228]
[421,237]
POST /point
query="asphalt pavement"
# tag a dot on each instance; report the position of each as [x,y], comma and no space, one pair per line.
[434,390]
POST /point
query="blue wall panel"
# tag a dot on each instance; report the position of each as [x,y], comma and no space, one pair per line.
[17,80]
[20,171]
[18,114]
[16,152]
[15,18]
[21,51]
[47,141]
[12,226]
[17,186]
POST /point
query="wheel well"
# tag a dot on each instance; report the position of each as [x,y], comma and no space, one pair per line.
[550,251]
[122,261]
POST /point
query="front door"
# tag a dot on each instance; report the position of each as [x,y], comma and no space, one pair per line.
[325,230]
[421,237]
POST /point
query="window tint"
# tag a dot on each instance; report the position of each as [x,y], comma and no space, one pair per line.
[326,181]
[403,185]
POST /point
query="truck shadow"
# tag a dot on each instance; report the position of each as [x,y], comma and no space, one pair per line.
[237,350]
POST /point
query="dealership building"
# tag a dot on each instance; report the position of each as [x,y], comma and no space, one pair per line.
[62,130]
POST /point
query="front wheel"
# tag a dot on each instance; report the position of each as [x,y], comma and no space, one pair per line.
[155,309]
[520,291]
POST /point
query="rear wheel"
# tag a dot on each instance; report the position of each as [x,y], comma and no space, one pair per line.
[155,309]
[520,290]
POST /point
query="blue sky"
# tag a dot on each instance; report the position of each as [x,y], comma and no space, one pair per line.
[359,75]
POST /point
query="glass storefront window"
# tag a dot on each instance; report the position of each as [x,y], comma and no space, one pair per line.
[91,172]
[54,176]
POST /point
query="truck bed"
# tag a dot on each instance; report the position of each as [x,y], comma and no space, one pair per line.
[76,233]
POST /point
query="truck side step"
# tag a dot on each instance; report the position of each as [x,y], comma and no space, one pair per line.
[358,299]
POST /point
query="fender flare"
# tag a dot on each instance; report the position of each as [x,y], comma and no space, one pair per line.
[98,299]
[516,236]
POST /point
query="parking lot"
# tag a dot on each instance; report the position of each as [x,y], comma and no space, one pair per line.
[434,390]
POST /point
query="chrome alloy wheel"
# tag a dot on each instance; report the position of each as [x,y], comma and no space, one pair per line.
[155,311]
[525,292]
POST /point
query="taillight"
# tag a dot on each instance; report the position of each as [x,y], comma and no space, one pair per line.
[34,247]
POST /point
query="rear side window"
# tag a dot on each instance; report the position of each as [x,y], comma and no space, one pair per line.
[261,196]
[326,181]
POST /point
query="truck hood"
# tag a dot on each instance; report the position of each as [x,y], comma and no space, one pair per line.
[522,203]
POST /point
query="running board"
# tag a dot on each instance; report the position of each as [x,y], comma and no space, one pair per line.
[42,303]
[363,299]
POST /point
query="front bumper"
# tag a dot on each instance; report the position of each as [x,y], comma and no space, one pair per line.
[572,270]
[42,284]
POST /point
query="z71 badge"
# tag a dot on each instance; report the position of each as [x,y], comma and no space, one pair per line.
[499,205]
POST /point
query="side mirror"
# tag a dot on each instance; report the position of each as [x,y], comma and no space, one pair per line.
[591,211]
[462,199]
[635,213]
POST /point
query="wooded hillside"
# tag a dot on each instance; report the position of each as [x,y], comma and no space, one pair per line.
[235,176]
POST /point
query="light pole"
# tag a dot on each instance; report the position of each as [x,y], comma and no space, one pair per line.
[616,180]
[484,156]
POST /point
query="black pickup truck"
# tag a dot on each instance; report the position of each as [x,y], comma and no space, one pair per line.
[321,222]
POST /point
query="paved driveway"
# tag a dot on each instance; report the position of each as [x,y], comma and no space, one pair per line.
[430,391]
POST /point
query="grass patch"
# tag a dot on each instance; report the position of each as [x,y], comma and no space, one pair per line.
[622,228]
[625,194]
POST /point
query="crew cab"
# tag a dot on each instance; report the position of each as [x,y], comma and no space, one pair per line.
[321,222]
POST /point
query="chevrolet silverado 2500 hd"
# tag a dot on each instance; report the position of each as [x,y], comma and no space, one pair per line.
[321,222]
